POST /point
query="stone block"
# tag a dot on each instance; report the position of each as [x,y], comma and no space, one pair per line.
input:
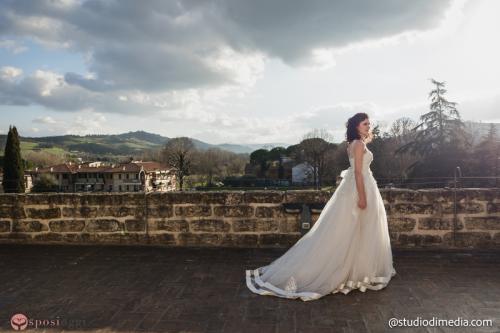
[255,225]
[4,226]
[67,225]
[464,207]
[160,211]
[104,225]
[263,196]
[83,211]
[193,210]
[135,225]
[438,223]
[29,226]
[307,196]
[234,211]
[268,212]
[482,222]
[399,223]
[177,225]
[414,208]
[44,213]
[12,212]
[212,225]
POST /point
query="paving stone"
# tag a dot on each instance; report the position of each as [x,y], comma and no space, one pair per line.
[168,289]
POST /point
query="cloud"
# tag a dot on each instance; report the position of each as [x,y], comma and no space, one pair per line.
[172,45]
[50,89]
[483,108]
[177,60]
[332,118]
[13,46]
[86,121]
[44,120]
[9,73]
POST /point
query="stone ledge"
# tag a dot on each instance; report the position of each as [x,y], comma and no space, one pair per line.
[416,218]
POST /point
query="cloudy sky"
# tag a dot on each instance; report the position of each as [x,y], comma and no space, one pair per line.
[241,71]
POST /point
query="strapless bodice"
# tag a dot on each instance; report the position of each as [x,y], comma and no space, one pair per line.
[367,160]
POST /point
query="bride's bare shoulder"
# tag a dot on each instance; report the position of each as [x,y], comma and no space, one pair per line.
[357,142]
[357,145]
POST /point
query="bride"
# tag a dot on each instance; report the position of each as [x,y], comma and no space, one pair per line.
[348,246]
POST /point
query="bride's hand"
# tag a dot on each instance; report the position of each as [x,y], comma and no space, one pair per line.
[362,203]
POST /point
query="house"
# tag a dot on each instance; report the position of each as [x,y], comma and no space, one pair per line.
[302,173]
[134,176]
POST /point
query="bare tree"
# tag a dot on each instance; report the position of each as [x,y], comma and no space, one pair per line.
[401,129]
[215,163]
[210,164]
[178,154]
[43,158]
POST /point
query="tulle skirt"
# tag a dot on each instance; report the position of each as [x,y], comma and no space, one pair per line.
[347,248]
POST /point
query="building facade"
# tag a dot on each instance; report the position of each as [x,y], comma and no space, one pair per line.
[135,176]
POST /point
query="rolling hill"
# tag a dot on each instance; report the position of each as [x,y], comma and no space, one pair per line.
[113,145]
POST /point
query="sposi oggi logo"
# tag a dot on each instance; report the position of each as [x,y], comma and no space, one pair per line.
[19,321]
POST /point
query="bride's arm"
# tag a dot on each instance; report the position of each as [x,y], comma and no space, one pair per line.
[359,149]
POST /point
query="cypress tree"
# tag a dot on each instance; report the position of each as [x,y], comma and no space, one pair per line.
[13,167]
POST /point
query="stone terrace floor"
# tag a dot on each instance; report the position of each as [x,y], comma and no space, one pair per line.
[160,289]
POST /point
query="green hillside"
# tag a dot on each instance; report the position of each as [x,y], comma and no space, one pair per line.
[111,146]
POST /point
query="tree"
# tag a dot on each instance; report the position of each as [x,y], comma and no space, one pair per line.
[209,163]
[440,132]
[177,154]
[13,166]
[277,154]
[43,158]
[487,153]
[315,146]
[45,183]
[401,129]
[260,157]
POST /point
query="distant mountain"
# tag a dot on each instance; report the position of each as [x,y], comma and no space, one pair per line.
[144,136]
[118,145]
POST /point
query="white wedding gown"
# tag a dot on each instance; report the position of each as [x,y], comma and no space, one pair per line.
[347,248]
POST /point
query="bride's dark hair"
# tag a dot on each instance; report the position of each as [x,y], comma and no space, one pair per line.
[352,124]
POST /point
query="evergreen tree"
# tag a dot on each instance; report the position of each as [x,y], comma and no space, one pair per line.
[440,136]
[13,167]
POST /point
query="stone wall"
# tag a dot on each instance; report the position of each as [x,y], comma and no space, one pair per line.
[422,218]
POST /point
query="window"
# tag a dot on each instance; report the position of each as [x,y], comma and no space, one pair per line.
[119,176]
[127,185]
[119,188]
[136,176]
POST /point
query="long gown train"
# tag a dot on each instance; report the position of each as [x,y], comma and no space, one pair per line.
[347,248]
